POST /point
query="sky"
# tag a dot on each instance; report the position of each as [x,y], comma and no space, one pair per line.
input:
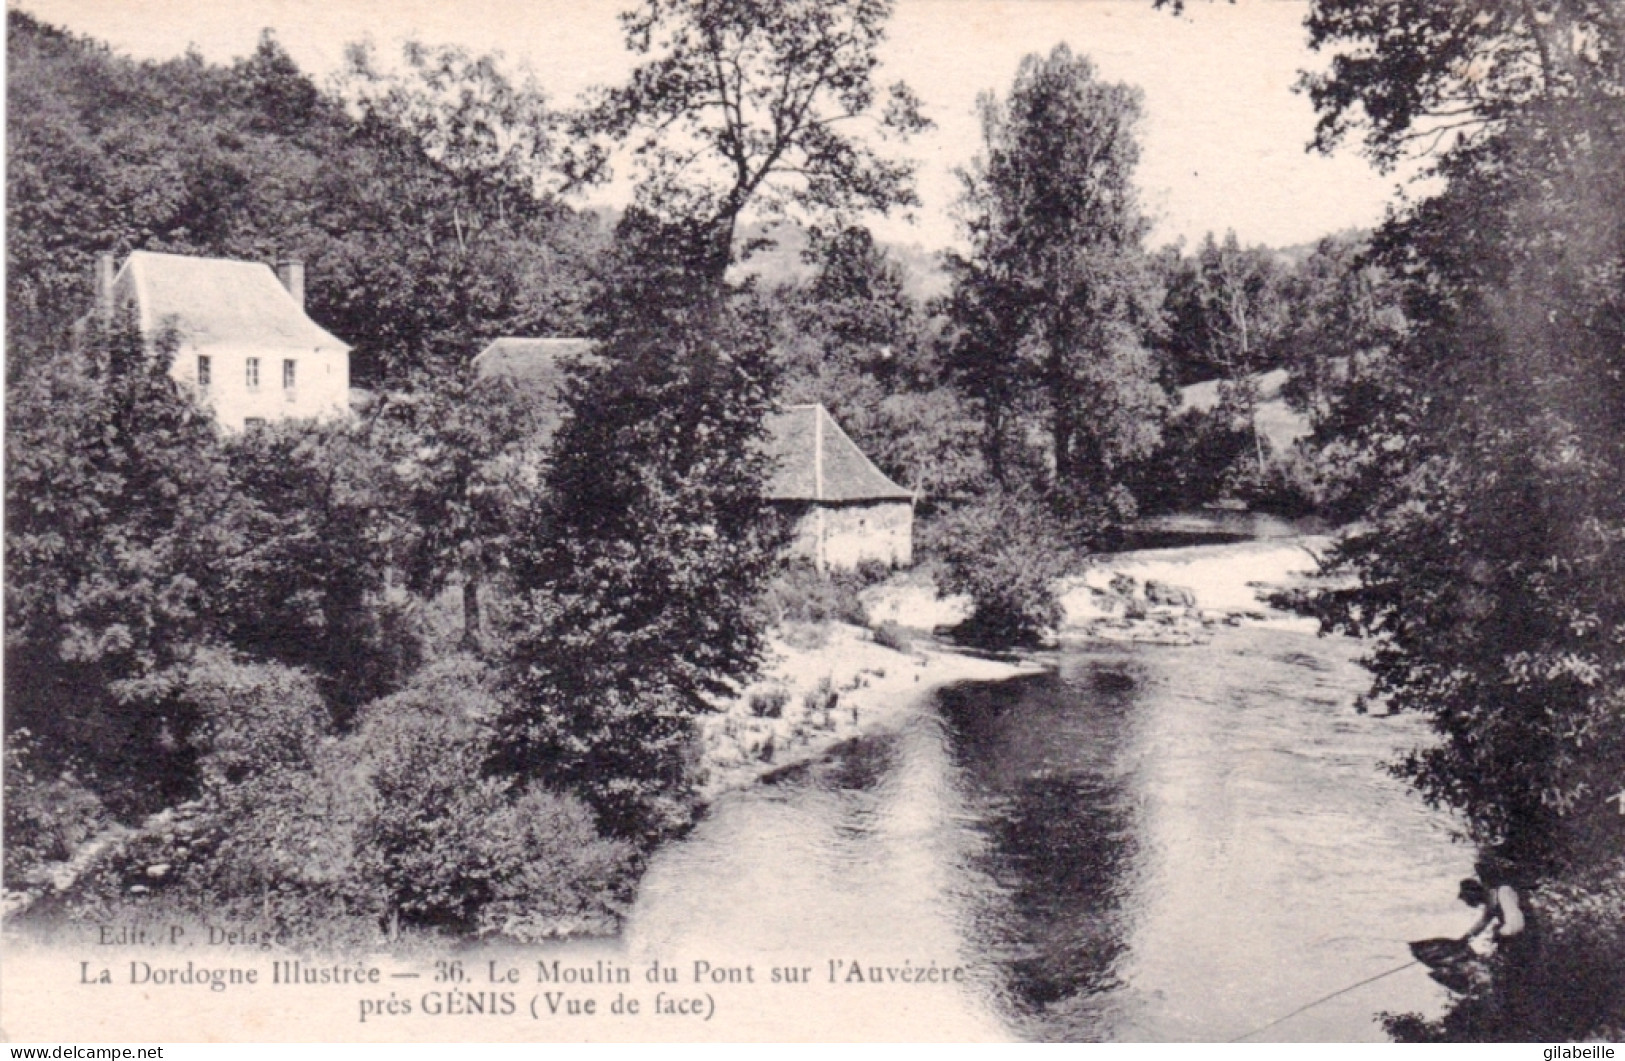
[1223,141]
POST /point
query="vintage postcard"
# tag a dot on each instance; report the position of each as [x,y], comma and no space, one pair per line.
[702,520]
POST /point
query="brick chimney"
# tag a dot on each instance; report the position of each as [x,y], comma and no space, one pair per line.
[291,272]
[104,286]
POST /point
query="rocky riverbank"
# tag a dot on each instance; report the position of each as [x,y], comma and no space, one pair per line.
[829,683]
[834,681]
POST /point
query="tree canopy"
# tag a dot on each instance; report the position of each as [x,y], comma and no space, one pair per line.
[1056,297]
[742,103]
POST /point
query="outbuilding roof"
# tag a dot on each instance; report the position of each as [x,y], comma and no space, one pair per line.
[213,301]
[534,362]
[818,462]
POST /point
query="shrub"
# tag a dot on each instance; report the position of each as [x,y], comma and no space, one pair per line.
[769,703]
[251,718]
[800,593]
[47,818]
[1005,552]
[821,697]
[442,844]
[263,820]
[889,635]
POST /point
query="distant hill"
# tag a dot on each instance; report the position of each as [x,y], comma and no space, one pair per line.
[1279,422]
[782,263]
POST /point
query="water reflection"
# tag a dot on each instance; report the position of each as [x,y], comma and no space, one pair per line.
[1049,763]
[1151,843]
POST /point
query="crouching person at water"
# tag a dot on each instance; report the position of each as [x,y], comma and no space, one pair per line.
[1514,968]
[1514,936]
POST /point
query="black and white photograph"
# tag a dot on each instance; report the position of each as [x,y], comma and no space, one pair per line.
[557,521]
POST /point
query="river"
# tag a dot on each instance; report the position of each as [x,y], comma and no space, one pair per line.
[1150,842]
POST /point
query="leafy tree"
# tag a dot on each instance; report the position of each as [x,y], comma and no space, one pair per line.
[315,524]
[1056,295]
[1345,324]
[463,196]
[654,539]
[466,459]
[649,545]
[1489,578]
[1239,316]
[117,510]
[256,733]
[1419,77]
[739,102]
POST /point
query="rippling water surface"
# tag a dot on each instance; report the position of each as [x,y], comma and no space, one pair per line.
[1153,842]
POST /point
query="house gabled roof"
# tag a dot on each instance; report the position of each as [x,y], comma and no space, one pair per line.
[817,462]
[213,301]
[534,362]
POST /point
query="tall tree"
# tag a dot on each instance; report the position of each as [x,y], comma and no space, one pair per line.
[741,103]
[1489,576]
[463,200]
[1057,294]
[1238,294]
[649,545]
[467,457]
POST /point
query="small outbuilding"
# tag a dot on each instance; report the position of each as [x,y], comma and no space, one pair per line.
[846,511]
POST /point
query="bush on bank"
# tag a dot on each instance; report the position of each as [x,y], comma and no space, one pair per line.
[1005,551]
[330,839]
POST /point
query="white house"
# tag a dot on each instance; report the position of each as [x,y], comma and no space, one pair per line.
[246,348]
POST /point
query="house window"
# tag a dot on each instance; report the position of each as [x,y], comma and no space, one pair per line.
[253,375]
[251,423]
[203,371]
[288,377]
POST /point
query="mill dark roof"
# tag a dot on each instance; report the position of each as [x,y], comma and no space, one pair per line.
[817,462]
[213,301]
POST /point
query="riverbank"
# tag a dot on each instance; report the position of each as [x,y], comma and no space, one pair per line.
[829,683]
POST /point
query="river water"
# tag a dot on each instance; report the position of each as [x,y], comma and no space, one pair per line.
[1151,842]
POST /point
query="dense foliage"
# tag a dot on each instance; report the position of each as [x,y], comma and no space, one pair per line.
[1489,574]
[1056,297]
[651,542]
[414,260]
